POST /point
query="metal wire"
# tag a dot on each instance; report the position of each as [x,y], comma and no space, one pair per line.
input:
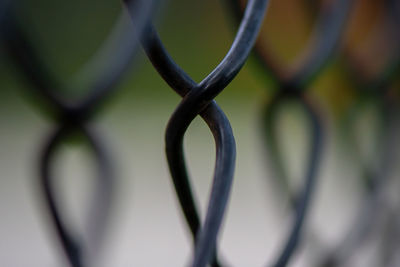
[198,99]
[373,90]
[75,117]
[292,82]
[103,72]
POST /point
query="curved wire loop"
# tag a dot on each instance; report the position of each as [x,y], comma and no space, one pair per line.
[113,60]
[77,254]
[292,81]
[321,46]
[374,178]
[216,121]
[270,116]
[372,90]
[104,70]
[301,199]
[198,99]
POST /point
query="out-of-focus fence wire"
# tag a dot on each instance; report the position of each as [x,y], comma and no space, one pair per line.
[374,87]
[73,116]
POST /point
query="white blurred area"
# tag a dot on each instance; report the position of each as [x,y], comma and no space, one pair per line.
[147,227]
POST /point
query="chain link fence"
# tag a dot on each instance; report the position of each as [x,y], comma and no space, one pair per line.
[361,38]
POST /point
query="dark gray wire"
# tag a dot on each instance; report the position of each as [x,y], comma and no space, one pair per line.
[374,88]
[74,116]
[195,101]
[292,82]
[366,218]
[329,28]
[108,66]
[321,47]
[212,115]
[73,247]
[198,99]
[302,200]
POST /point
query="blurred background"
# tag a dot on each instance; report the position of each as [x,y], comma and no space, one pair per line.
[147,227]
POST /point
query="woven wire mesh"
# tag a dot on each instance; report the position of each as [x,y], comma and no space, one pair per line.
[74,105]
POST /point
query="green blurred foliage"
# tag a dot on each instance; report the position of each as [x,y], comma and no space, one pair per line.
[196,33]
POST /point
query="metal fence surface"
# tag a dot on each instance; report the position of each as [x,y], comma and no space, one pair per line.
[291,83]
